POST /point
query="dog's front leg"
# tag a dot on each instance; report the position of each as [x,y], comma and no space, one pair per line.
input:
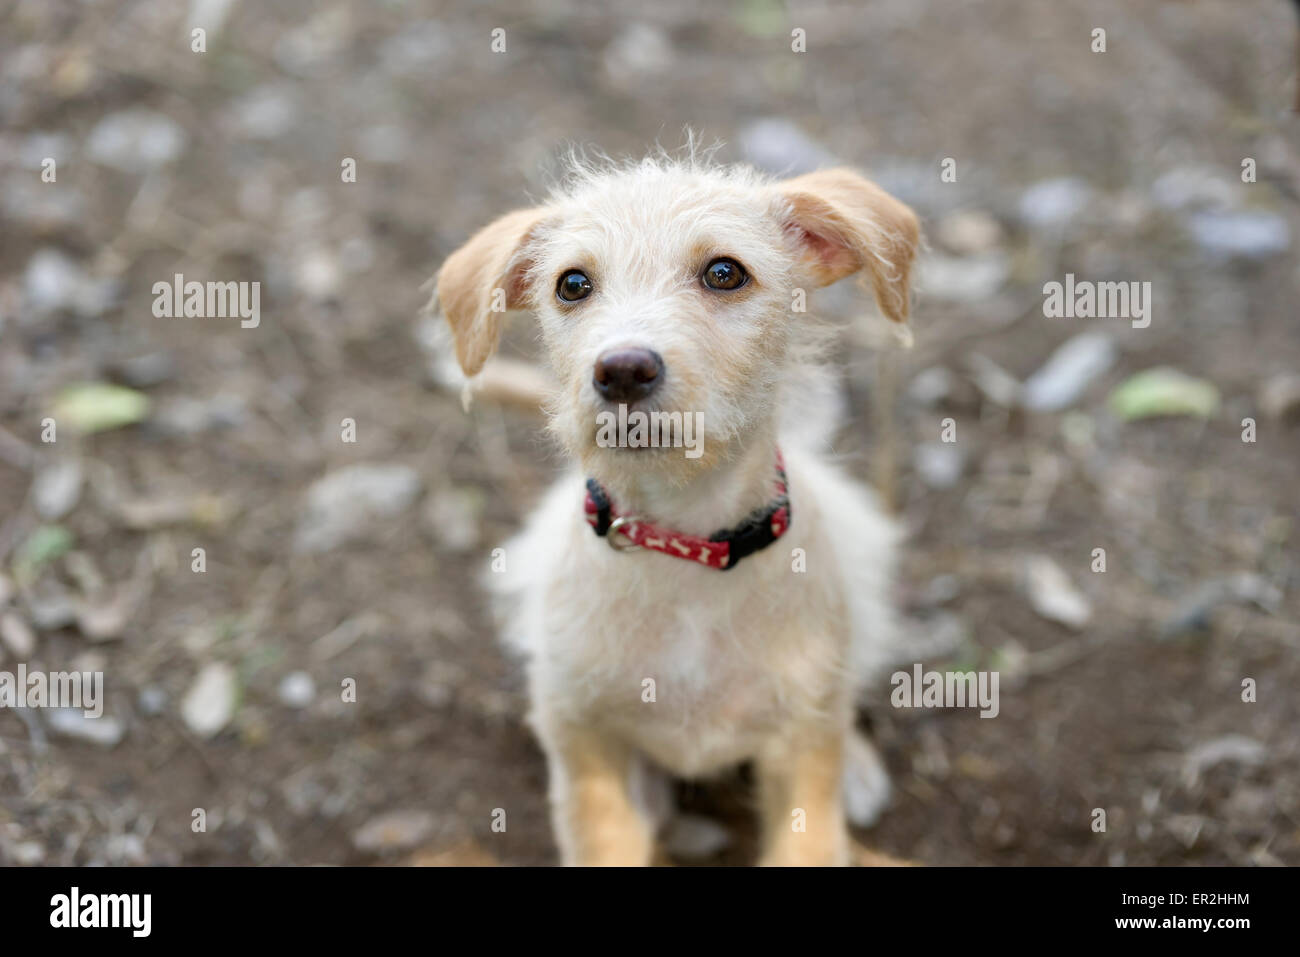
[800,806]
[595,819]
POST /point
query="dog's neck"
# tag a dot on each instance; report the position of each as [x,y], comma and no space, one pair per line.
[720,497]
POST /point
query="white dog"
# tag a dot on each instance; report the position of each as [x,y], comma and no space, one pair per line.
[688,612]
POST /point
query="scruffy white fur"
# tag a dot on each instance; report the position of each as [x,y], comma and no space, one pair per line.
[637,660]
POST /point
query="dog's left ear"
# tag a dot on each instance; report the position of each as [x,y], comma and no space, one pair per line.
[843,223]
[483,279]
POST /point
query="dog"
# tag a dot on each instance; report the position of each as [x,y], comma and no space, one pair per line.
[682,614]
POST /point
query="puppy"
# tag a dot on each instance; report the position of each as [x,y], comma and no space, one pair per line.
[686,609]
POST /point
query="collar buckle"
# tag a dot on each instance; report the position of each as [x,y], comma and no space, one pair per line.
[622,543]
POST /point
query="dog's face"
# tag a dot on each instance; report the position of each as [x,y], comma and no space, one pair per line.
[672,289]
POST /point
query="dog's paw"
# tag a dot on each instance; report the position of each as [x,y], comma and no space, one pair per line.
[866,787]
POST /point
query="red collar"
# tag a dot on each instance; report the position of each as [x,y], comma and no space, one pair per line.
[721,550]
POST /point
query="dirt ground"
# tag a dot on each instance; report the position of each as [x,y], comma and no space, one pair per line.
[226,164]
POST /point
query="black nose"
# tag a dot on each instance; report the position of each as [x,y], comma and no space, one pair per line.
[625,375]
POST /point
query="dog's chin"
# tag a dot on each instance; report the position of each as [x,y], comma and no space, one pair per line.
[618,464]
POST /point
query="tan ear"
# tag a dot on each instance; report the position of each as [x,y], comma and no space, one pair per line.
[483,279]
[845,223]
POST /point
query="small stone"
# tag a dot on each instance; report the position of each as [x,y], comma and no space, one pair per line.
[640,52]
[135,141]
[209,705]
[1066,375]
[17,635]
[454,516]
[186,415]
[297,689]
[1053,595]
[50,606]
[939,464]
[1053,203]
[266,113]
[151,701]
[1231,748]
[105,618]
[969,232]
[779,146]
[73,723]
[53,282]
[1249,234]
[940,590]
[1279,396]
[344,504]
[964,278]
[438,684]
[931,386]
[317,275]
[27,853]
[695,838]
[56,489]
[1186,187]
[147,370]
[394,831]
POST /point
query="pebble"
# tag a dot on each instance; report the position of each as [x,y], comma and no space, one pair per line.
[1279,396]
[50,606]
[931,386]
[969,232]
[151,701]
[135,141]
[454,516]
[939,464]
[640,52]
[265,113]
[779,146]
[53,282]
[695,838]
[1052,594]
[394,831]
[965,278]
[1249,234]
[1066,375]
[73,723]
[106,617]
[1053,203]
[1191,187]
[1235,748]
[57,488]
[147,370]
[344,504]
[210,703]
[297,689]
[27,853]
[17,635]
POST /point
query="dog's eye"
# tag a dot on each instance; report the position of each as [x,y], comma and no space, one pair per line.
[725,274]
[573,285]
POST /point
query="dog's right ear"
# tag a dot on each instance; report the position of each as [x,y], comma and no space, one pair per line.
[482,280]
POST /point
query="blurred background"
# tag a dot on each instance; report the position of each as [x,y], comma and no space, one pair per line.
[327,560]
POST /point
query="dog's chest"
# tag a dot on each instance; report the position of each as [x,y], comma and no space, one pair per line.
[699,681]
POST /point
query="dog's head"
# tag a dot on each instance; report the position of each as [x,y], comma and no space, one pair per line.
[673,288]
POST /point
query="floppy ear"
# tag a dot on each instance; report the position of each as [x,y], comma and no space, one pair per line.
[482,280]
[844,223]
